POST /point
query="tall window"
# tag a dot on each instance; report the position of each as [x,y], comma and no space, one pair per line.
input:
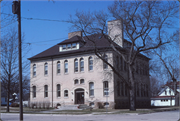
[58,90]
[106,88]
[34,91]
[91,89]
[34,70]
[66,66]
[65,93]
[105,66]
[81,64]
[90,63]
[76,65]
[58,67]
[137,89]
[46,91]
[118,88]
[142,89]
[45,68]
[122,89]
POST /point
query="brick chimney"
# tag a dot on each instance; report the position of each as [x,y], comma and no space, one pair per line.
[72,34]
[115,31]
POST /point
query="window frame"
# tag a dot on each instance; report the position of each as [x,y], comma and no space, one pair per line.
[45,91]
[106,88]
[90,63]
[66,64]
[76,65]
[58,67]
[66,93]
[105,66]
[81,65]
[34,91]
[91,89]
[76,81]
[46,68]
[58,86]
[34,70]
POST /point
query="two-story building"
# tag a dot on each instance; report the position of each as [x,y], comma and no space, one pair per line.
[70,73]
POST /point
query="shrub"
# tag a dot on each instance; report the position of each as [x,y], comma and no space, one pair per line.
[100,105]
[14,105]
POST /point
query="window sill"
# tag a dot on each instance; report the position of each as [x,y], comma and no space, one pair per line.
[106,95]
[34,76]
[46,75]
[91,96]
[58,74]
[58,97]
[66,97]
[91,71]
[66,73]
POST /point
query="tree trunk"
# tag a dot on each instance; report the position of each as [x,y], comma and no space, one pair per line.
[8,93]
[132,95]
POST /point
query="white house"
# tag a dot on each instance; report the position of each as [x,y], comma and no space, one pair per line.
[70,73]
[166,96]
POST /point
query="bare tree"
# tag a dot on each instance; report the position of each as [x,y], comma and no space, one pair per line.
[9,65]
[155,86]
[144,25]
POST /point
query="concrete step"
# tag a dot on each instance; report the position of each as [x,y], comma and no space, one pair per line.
[68,107]
[74,107]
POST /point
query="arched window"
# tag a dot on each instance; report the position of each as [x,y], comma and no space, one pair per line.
[81,64]
[65,93]
[58,67]
[91,104]
[91,89]
[45,90]
[58,90]
[45,68]
[82,81]
[76,65]
[90,63]
[76,81]
[106,104]
[34,91]
[66,66]
[34,70]
[105,66]
[106,88]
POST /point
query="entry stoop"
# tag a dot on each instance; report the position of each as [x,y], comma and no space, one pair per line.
[74,107]
[69,107]
[84,107]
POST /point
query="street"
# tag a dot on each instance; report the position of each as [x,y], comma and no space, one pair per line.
[160,116]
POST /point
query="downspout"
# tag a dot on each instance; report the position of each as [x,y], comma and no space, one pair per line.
[52,81]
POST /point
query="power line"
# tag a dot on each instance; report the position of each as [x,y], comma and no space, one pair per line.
[35,18]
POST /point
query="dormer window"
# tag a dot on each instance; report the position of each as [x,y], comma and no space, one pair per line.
[64,47]
[74,45]
[69,46]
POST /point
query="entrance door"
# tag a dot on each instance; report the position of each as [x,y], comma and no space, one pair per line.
[79,96]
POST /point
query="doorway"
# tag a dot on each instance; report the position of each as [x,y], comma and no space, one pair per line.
[79,96]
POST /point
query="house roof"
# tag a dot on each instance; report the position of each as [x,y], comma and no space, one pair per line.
[88,46]
[162,97]
[71,40]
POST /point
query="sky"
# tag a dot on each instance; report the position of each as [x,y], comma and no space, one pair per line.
[42,33]
[42,21]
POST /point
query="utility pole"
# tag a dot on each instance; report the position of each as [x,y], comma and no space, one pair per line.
[16,9]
